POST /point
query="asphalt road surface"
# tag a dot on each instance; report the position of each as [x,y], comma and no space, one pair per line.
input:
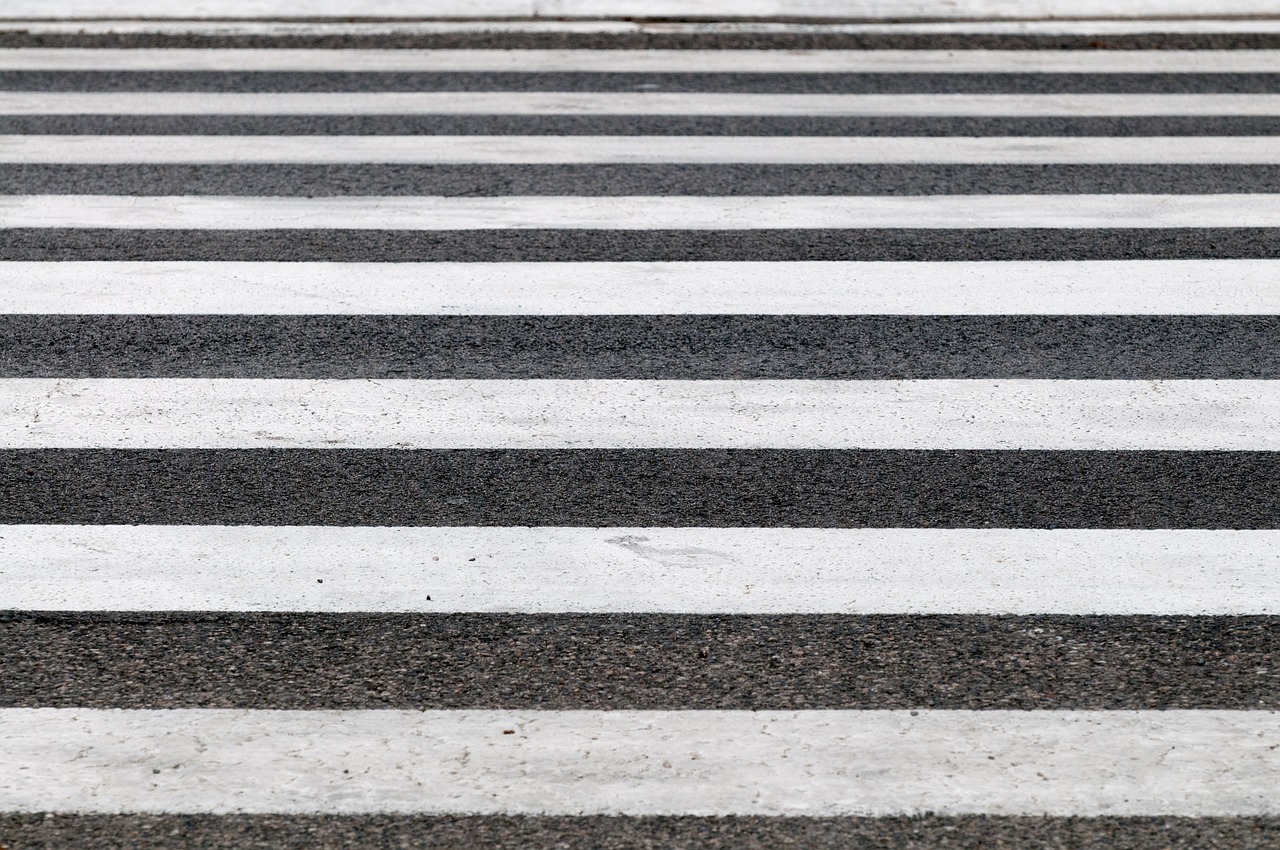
[683,437]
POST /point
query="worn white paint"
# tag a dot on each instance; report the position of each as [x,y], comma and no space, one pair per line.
[638,213]
[1062,763]
[1193,287]
[96,149]
[639,570]
[628,103]
[645,61]
[703,10]
[544,414]
[1094,26]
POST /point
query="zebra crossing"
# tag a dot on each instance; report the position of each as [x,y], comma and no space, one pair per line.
[622,445]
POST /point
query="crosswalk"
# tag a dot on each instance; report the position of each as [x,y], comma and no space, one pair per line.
[598,447]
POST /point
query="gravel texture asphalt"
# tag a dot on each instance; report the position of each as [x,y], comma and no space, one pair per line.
[637,661]
[669,347]
[644,487]
[391,832]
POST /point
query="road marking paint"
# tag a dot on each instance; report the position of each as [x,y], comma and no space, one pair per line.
[1062,763]
[153,413]
[639,213]
[629,103]
[1152,28]
[96,149]
[639,570]
[854,10]
[1125,287]
[642,61]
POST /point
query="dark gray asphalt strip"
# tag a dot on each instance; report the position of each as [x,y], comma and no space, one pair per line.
[658,37]
[633,179]
[60,244]
[590,81]
[641,488]
[675,662]
[385,832]
[683,347]
[640,125]
[457,832]
[636,661]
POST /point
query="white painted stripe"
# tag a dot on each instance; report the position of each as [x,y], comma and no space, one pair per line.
[854,10]
[628,103]
[545,414]
[1125,287]
[639,570]
[1109,26]
[642,61]
[640,149]
[1063,763]
[638,213]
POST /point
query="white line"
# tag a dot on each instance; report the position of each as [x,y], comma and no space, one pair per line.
[1190,287]
[638,213]
[853,10]
[635,149]
[628,103]
[1108,26]
[639,570]
[652,61]
[801,414]
[1062,763]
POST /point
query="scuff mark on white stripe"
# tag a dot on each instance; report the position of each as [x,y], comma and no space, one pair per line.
[628,103]
[832,763]
[1105,287]
[155,413]
[644,61]
[96,149]
[638,212]
[639,570]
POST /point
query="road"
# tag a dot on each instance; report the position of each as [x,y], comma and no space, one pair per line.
[614,437]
